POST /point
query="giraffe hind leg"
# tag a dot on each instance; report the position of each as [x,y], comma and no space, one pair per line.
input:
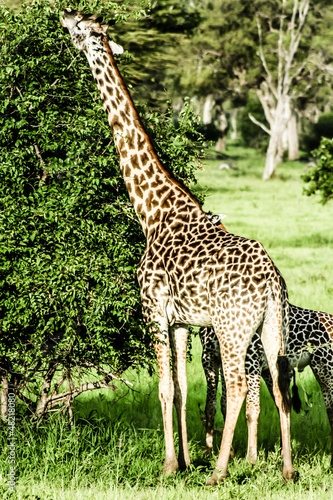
[322,367]
[179,337]
[279,368]
[252,416]
[233,359]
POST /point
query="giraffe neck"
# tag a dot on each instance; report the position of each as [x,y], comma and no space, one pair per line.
[152,189]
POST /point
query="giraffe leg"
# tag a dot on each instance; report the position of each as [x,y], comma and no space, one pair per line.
[253,365]
[330,419]
[252,415]
[233,359]
[321,364]
[210,363]
[179,337]
[272,345]
[210,408]
[223,403]
[166,394]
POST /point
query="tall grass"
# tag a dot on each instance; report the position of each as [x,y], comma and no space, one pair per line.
[116,448]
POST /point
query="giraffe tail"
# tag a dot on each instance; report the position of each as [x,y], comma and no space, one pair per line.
[284,382]
[284,369]
[296,400]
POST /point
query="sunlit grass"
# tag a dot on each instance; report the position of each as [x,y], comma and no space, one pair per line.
[116,449]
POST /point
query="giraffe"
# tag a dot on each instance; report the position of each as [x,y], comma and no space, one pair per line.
[191,272]
[310,343]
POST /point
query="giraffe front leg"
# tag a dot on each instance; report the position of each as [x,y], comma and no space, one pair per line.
[236,391]
[166,394]
[179,337]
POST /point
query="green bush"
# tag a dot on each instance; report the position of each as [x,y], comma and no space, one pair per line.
[252,135]
[314,132]
[70,240]
[320,177]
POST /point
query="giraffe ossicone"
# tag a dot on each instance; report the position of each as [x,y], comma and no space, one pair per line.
[191,273]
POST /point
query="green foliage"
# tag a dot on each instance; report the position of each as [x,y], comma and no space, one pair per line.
[70,240]
[154,36]
[314,132]
[320,177]
[252,134]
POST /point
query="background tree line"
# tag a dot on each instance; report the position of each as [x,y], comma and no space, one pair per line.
[70,239]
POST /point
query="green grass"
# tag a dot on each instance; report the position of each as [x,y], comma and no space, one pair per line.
[116,449]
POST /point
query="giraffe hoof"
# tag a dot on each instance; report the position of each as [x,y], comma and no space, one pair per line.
[208,452]
[289,474]
[252,459]
[211,482]
[170,467]
[215,479]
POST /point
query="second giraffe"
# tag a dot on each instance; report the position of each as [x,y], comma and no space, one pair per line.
[310,343]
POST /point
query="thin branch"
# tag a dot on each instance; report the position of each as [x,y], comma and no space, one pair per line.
[261,54]
[267,101]
[68,67]
[108,373]
[29,402]
[296,34]
[280,50]
[254,120]
[56,399]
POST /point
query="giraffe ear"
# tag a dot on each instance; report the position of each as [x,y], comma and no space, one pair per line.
[115,48]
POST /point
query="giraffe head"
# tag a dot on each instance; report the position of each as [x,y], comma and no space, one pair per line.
[87,30]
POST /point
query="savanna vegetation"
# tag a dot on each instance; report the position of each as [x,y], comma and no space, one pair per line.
[70,307]
[116,447]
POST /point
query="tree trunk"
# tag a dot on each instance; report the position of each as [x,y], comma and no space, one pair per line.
[233,123]
[271,156]
[293,150]
[221,144]
[4,397]
[42,403]
[277,146]
[207,115]
[221,123]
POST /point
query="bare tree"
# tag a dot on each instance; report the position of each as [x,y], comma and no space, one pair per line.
[276,92]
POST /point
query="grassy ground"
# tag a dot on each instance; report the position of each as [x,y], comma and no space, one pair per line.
[116,449]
